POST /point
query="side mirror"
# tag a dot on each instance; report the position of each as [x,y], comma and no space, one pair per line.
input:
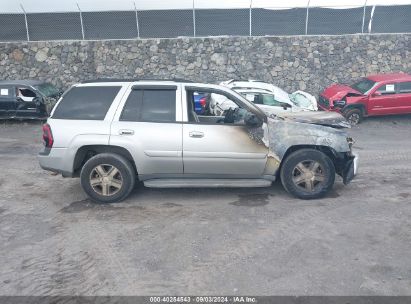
[19,99]
[376,94]
[251,120]
[285,105]
[36,100]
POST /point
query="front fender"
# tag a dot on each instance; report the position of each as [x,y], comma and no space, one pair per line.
[285,134]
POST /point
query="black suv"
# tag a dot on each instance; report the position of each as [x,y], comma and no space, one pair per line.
[28,99]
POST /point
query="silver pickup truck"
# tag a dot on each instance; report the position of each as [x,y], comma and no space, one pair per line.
[112,133]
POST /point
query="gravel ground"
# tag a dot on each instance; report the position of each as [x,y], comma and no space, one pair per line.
[357,241]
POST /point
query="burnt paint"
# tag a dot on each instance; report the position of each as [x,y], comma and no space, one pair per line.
[279,135]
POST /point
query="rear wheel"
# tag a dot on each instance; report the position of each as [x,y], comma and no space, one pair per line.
[354,116]
[107,178]
[308,174]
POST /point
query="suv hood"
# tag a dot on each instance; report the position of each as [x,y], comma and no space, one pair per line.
[329,119]
[338,91]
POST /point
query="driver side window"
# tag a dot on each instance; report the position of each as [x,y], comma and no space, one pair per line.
[387,89]
[213,108]
[25,94]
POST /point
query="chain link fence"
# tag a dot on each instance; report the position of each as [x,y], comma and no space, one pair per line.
[200,22]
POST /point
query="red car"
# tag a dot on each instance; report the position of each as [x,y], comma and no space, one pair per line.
[382,94]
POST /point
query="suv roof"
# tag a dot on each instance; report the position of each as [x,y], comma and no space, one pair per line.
[134,80]
[21,82]
[389,77]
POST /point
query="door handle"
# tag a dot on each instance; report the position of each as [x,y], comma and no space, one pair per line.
[196,134]
[125,132]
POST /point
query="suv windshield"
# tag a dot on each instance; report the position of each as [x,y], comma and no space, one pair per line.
[47,89]
[363,86]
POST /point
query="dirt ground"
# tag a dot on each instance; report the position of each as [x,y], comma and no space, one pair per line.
[357,241]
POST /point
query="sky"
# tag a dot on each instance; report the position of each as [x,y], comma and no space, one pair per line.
[13,6]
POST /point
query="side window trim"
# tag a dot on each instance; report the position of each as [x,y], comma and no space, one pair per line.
[153,87]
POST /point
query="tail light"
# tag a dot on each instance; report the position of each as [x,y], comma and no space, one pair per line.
[203,101]
[47,136]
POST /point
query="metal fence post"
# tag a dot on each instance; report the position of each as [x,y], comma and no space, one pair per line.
[371,17]
[81,21]
[251,28]
[25,20]
[138,27]
[306,18]
[194,19]
[363,16]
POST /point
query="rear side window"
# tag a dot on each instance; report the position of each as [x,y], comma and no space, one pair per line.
[86,103]
[405,87]
[150,105]
[6,92]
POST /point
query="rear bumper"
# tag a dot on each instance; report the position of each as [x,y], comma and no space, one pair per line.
[55,160]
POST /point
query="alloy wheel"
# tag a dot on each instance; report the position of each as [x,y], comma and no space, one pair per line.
[106,180]
[308,175]
[354,119]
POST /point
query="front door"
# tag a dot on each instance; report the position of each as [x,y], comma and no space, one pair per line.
[150,128]
[384,100]
[7,101]
[28,102]
[214,146]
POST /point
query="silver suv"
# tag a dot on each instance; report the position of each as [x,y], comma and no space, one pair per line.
[112,133]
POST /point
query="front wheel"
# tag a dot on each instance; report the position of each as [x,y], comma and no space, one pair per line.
[107,178]
[354,116]
[308,174]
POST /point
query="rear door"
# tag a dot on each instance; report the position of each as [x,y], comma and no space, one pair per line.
[384,100]
[148,123]
[404,96]
[83,115]
[7,101]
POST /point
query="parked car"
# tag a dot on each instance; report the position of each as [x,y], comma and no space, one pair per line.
[200,102]
[269,98]
[112,133]
[27,99]
[382,94]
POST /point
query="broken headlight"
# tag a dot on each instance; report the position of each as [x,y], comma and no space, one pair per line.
[339,103]
[350,142]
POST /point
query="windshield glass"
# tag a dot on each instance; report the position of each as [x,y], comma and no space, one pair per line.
[281,95]
[47,89]
[269,100]
[300,100]
[247,103]
[363,86]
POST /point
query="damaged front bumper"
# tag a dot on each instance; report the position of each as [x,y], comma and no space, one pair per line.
[350,168]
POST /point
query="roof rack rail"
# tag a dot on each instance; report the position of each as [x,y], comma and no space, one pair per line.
[135,79]
[243,80]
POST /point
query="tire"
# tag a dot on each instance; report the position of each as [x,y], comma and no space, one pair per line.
[319,174]
[354,116]
[109,186]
